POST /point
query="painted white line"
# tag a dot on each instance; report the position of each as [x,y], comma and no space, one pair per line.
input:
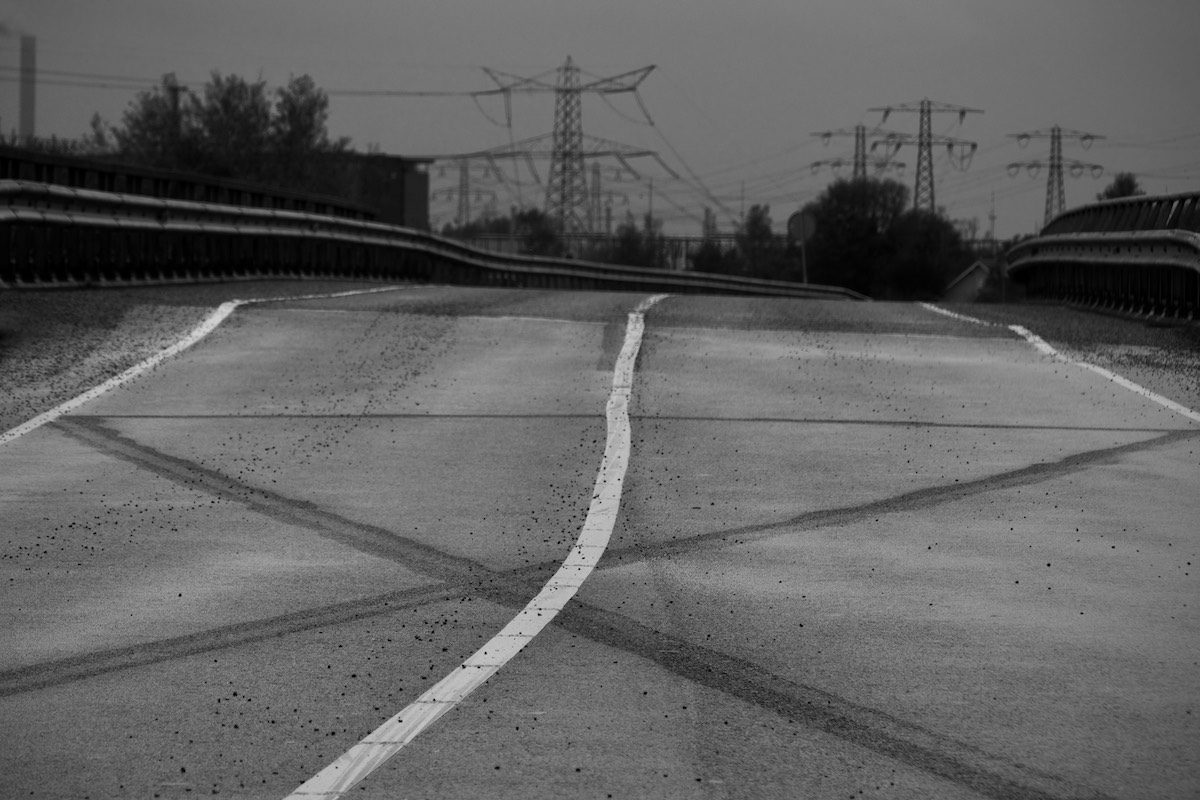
[952,315]
[1043,347]
[206,326]
[389,738]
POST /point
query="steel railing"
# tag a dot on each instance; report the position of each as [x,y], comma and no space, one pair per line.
[57,234]
[1138,254]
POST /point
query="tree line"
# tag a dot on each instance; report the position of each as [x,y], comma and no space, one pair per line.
[230,128]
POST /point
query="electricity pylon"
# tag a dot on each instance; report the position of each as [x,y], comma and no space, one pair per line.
[923,194]
[859,132]
[566,192]
[1056,196]
[464,192]
[589,148]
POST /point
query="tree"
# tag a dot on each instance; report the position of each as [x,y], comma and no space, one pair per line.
[637,246]
[298,131]
[925,252]
[158,129]
[538,231]
[233,122]
[232,129]
[755,240]
[711,257]
[1124,184]
[865,240]
[853,218]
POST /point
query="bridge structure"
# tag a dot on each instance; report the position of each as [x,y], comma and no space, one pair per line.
[1135,254]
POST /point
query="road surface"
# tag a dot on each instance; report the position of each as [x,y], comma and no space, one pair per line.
[862,550]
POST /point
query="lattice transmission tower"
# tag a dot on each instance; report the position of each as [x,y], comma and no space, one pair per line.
[567,199]
[861,160]
[1056,195]
[923,191]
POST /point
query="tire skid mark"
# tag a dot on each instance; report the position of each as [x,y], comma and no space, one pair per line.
[812,707]
[369,539]
[918,499]
[48,674]
[953,760]
[510,587]
[918,747]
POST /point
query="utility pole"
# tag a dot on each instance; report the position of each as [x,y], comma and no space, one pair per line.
[28,97]
[594,206]
[923,192]
[1056,196]
[464,192]
[992,219]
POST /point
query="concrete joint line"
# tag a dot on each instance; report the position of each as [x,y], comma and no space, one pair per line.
[1043,347]
[389,738]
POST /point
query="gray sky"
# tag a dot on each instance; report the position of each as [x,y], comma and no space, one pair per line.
[738,89]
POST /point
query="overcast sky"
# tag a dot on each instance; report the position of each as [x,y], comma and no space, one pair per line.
[738,88]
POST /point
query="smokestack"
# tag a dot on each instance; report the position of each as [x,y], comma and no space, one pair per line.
[28,86]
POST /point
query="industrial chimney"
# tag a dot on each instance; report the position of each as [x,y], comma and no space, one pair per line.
[28,87]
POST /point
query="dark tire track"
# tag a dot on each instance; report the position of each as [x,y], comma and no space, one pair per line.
[915,500]
[366,538]
[913,745]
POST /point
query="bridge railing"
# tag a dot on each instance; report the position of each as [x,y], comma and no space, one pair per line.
[56,234]
[104,175]
[1141,213]
[1138,254]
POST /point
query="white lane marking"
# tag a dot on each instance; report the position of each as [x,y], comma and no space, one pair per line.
[206,326]
[952,315]
[389,738]
[1043,347]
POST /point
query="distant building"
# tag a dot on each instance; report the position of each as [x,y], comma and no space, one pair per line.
[968,285]
[396,187]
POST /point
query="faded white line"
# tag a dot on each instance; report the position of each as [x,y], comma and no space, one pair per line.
[206,326]
[389,738]
[1043,347]
[952,315]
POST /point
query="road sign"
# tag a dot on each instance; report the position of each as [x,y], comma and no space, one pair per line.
[802,225]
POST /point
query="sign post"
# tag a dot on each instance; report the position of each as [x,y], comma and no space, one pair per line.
[800,227]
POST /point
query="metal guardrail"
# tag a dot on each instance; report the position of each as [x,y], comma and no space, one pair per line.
[56,234]
[108,175]
[1139,254]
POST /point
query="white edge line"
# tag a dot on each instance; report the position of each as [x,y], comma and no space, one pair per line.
[1043,347]
[206,326]
[389,738]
